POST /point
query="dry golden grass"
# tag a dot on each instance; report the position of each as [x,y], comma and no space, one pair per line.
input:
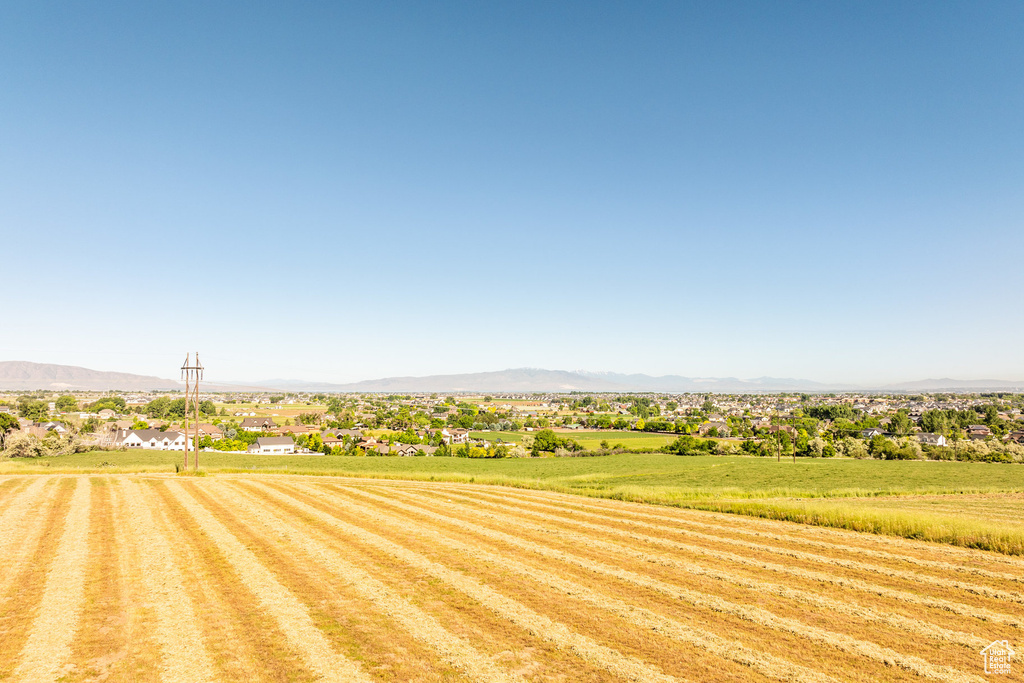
[238,578]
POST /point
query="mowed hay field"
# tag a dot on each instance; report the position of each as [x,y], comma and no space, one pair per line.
[267,577]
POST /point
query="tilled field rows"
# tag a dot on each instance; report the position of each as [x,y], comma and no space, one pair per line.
[289,578]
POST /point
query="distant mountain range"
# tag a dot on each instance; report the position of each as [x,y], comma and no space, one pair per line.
[23,376]
[19,375]
[530,380]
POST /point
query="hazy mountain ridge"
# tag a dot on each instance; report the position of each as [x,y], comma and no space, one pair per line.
[19,375]
[25,376]
[530,380]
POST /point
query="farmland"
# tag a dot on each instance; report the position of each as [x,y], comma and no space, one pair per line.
[237,577]
[975,505]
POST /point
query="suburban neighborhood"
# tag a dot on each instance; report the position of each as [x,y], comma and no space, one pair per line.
[932,426]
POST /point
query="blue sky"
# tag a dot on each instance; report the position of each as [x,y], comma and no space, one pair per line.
[342,191]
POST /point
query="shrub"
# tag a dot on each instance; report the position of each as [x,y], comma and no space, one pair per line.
[21,445]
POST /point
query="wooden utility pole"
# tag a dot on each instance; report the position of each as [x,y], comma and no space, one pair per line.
[186,375]
[192,373]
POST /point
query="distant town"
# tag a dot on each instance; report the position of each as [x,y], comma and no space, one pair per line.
[976,427]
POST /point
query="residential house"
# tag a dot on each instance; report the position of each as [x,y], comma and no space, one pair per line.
[454,435]
[258,424]
[296,429]
[721,428]
[931,439]
[106,414]
[211,430]
[273,445]
[150,439]
[871,432]
[978,431]
[788,429]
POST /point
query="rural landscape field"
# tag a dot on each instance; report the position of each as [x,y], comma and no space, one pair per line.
[273,577]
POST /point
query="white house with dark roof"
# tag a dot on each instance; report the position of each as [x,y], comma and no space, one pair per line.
[150,439]
[273,445]
[931,439]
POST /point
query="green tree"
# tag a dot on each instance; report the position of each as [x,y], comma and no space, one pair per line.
[315,442]
[176,408]
[901,424]
[882,448]
[935,421]
[7,425]
[66,403]
[115,403]
[37,411]
[545,440]
[641,407]
[158,407]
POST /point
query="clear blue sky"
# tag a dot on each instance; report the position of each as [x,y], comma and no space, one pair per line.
[342,191]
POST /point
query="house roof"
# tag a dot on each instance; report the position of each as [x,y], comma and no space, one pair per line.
[258,421]
[150,434]
[275,441]
[928,437]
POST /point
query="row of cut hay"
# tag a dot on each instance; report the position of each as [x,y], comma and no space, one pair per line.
[739,524]
[183,654]
[997,594]
[97,648]
[815,599]
[457,651]
[755,615]
[21,526]
[583,541]
[245,639]
[965,563]
[501,640]
[757,563]
[944,608]
[460,611]
[776,505]
[293,617]
[48,647]
[713,644]
[26,579]
[532,622]
[9,488]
